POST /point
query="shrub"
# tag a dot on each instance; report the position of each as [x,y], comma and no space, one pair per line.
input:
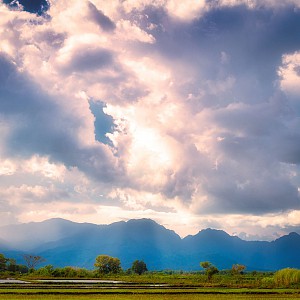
[287,277]
[46,271]
[268,282]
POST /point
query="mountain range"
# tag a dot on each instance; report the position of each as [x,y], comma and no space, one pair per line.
[66,243]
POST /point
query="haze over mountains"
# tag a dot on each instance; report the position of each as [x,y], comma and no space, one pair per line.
[65,243]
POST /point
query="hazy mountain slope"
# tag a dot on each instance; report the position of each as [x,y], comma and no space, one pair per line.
[65,243]
[31,235]
[225,250]
[136,239]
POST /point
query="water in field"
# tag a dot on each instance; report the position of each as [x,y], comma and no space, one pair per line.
[79,281]
[13,281]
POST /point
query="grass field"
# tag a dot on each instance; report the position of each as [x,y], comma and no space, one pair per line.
[146,297]
[153,287]
[61,293]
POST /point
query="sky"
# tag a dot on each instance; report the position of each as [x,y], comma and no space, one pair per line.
[185,112]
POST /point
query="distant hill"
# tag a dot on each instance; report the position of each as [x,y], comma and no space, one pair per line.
[66,243]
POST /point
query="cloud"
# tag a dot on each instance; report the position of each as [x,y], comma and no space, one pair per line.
[43,126]
[101,19]
[186,10]
[88,60]
[161,107]
[289,73]
[234,114]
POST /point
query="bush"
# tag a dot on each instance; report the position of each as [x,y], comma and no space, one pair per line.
[268,282]
[287,277]
[46,271]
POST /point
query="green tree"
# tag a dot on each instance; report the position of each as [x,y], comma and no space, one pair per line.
[209,268]
[139,267]
[22,269]
[12,265]
[46,271]
[107,264]
[68,272]
[3,262]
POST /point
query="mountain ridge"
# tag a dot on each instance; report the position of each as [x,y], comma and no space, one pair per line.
[63,242]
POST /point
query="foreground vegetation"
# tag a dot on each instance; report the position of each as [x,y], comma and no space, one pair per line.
[138,280]
[155,286]
[285,278]
[145,293]
[148,297]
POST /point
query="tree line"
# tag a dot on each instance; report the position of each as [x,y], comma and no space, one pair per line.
[211,270]
[111,266]
[10,265]
[104,264]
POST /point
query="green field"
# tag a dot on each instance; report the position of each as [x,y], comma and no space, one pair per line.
[39,293]
[285,284]
[145,297]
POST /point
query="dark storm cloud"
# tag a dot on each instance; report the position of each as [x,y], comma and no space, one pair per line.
[89,59]
[39,125]
[287,146]
[253,116]
[297,70]
[254,41]
[237,138]
[104,22]
[17,94]
[250,176]
[254,193]
[52,38]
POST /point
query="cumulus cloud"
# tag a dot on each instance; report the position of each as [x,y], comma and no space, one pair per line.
[164,109]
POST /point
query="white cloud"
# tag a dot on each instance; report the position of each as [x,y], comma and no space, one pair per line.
[42,165]
[130,5]
[186,10]
[289,73]
[127,31]
[7,167]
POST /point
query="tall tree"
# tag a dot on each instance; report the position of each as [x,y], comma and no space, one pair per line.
[3,262]
[139,267]
[33,260]
[209,268]
[107,264]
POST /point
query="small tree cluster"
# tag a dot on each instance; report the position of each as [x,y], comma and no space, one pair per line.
[10,265]
[107,264]
[66,272]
